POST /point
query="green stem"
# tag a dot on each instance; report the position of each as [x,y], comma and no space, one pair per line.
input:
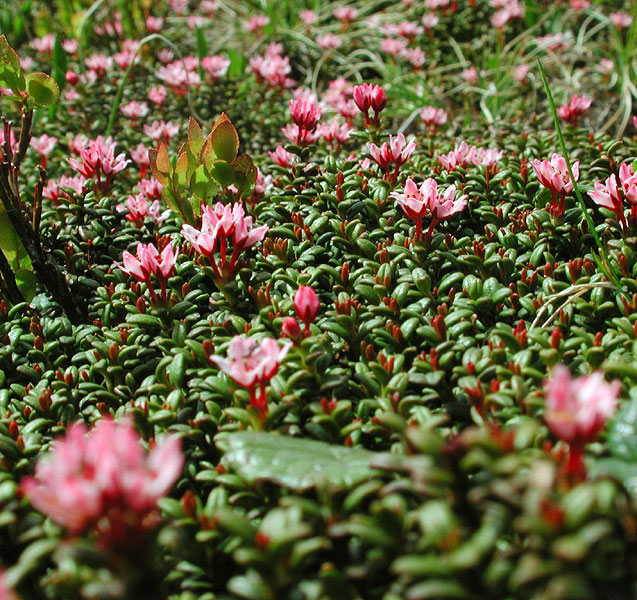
[604,264]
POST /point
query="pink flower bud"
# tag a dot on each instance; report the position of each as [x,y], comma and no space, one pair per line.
[306,303]
[72,78]
[290,329]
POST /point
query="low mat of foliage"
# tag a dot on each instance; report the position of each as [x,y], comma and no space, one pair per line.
[405,454]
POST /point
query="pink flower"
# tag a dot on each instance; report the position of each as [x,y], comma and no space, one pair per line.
[576,410]
[461,156]
[154,24]
[621,20]
[177,77]
[606,66]
[335,132]
[151,189]
[520,72]
[433,117]
[554,176]
[308,17]
[345,14]
[44,45]
[409,30]
[6,593]
[157,94]
[393,46]
[220,224]
[306,304]
[252,365]
[395,152]
[139,208]
[487,156]
[99,63]
[43,144]
[608,196]
[415,56]
[216,66]
[470,75]
[149,261]
[291,330]
[628,181]
[577,107]
[305,115]
[140,158]
[580,4]
[282,157]
[98,160]
[54,189]
[257,23]
[272,67]
[161,130]
[104,481]
[135,110]
[417,202]
[70,46]
[329,41]
[429,21]
[508,10]
[72,78]
[368,96]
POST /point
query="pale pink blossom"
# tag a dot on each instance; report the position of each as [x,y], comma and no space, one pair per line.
[165,55]
[608,196]
[216,66]
[628,180]
[44,45]
[98,161]
[220,225]
[329,41]
[575,108]
[195,21]
[396,152]
[252,365]
[461,156]
[415,56]
[282,157]
[55,188]
[470,75]
[6,593]
[309,17]
[177,77]
[26,63]
[507,10]
[621,20]
[43,144]
[433,117]
[580,4]
[554,176]
[158,130]
[576,410]
[345,14]
[335,132]
[135,110]
[70,46]
[98,64]
[151,189]
[272,67]
[103,480]
[149,261]
[393,46]
[154,24]
[293,133]
[520,72]
[409,30]
[139,208]
[487,156]
[157,95]
[179,6]
[606,66]
[429,21]
[257,23]
[417,202]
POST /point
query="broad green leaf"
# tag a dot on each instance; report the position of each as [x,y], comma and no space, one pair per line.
[27,283]
[160,163]
[622,436]
[9,240]
[624,471]
[180,175]
[10,72]
[195,137]
[222,172]
[224,139]
[42,89]
[245,173]
[59,62]
[201,185]
[296,463]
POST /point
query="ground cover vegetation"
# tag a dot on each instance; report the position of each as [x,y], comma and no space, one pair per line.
[313,300]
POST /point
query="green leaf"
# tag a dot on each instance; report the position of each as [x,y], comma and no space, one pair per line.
[195,137]
[201,185]
[27,283]
[42,89]
[622,470]
[298,464]
[10,72]
[222,172]
[224,139]
[622,435]
[245,173]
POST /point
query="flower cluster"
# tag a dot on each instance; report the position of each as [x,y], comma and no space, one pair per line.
[572,111]
[554,176]
[103,481]
[219,225]
[577,409]
[609,194]
[368,97]
[98,161]
[305,116]
[273,67]
[433,117]
[252,365]
[418,202]
[394,153]
[149,261]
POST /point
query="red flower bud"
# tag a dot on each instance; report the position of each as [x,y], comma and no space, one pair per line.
[306,303]
[290,329]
